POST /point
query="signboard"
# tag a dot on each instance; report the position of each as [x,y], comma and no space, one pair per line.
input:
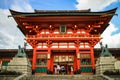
[63,58]
[41,56]
[84,55]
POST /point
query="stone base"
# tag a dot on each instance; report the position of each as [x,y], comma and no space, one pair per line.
[117,65]
[105,63]
[20,65]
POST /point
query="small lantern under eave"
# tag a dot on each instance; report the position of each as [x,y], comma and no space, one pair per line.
[36,26]
[78,55]
[48,56]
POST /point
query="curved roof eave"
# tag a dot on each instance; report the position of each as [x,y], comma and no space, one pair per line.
[51,12]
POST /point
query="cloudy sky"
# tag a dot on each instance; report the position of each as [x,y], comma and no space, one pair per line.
[10,35]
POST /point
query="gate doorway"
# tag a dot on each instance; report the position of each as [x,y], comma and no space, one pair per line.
[65,62]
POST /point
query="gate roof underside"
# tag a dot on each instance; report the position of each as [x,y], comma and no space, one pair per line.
[44,18]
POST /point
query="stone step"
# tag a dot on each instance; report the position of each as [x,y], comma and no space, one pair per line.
[65,77]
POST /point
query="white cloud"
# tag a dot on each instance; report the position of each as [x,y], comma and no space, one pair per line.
[6,40]
[10,35]
[21,5]
[97,5]
[94,5]
[113,40]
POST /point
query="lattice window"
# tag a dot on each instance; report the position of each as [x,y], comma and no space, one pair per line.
[85,59]
[42,59]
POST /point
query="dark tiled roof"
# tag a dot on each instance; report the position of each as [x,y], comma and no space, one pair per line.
[62,13]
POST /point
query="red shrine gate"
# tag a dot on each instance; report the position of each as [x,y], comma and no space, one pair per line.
[64,37]
[72,48]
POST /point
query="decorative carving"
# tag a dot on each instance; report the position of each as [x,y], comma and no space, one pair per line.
[49,43]
[77,43]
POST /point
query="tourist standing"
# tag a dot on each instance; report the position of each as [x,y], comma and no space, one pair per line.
[58,68]
[55,68]
[71,70]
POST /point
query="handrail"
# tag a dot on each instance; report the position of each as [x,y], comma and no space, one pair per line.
[20,77]
[106,77]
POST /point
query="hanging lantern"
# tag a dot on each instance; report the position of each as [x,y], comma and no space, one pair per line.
[48,56]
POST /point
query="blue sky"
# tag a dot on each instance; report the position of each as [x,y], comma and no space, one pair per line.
[43,4]
[10,35]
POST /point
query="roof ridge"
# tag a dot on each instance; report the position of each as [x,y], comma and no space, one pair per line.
[87,10]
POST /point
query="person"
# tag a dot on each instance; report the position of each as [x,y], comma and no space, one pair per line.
[55,69]
[58,68]
[0,65]
[71,70]
[62,70]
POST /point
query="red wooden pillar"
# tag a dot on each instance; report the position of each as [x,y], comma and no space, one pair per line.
[49,55]
[92,58]
[34,59]
[78,60]
[49,59]
[52,66]
[75,63]
[0,62]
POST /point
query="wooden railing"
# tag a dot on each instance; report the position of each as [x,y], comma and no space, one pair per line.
[59,35]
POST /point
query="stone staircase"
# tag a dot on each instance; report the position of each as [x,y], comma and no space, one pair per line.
[55,77]
[7,77]
[65,77]
[115,77]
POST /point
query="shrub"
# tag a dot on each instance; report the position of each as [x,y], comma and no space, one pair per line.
[111,72]
[9,73]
